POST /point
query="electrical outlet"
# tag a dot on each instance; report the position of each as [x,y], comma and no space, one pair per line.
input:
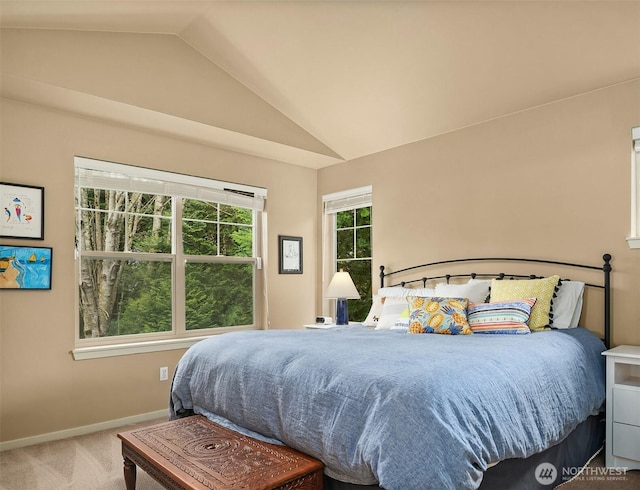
[164,373]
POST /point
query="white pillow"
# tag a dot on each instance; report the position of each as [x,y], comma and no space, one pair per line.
[484,281]
[575,319]
[400,292]
[567,305]
[392,310]
[391,292]
[374,312]
[475,290]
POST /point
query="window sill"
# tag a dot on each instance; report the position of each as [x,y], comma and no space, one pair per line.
[633,242]
[99,351]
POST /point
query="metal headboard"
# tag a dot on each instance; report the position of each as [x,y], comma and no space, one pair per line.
[605,286]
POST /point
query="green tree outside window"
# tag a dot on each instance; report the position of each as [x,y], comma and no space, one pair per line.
[354,255]
[127,282]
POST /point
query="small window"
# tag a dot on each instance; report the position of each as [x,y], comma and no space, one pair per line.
[348,243]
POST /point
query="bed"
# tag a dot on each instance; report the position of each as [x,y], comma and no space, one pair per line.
[384,408]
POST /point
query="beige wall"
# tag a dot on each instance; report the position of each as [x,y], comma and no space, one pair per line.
[42,389]
[551,182]
[154,72]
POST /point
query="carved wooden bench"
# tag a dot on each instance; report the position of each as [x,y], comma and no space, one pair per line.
[195,453]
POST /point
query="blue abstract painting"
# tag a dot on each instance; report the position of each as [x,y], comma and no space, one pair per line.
[25,267]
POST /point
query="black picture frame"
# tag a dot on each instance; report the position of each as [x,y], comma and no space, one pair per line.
[23,211]
[24,268]
[289,254]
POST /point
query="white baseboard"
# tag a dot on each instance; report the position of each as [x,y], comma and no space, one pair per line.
[80,431]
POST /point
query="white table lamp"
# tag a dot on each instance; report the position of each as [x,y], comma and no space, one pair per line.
[342,288]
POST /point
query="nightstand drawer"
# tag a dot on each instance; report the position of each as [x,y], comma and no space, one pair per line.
[626,441]
[626,406]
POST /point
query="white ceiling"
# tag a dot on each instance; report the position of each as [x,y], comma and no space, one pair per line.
[366,76]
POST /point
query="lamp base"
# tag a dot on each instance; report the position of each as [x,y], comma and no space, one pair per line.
[342,312]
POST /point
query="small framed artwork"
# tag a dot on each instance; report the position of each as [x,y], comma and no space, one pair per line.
[22,211]
[25,267]
[290,254]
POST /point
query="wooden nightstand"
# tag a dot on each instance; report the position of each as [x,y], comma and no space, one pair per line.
[623,407]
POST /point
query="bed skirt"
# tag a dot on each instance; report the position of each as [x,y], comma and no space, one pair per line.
[567,457]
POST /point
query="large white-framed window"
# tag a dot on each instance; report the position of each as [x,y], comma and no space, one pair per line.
[162,259]
[348,245]
[634,238]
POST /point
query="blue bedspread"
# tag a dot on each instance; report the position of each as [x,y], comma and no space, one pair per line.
[406,411]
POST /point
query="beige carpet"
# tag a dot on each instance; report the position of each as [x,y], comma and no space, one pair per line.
[94,462]
[89,462]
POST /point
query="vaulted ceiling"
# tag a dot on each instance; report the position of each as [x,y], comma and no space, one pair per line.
[330,80]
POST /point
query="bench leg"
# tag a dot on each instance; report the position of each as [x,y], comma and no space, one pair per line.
[129,474]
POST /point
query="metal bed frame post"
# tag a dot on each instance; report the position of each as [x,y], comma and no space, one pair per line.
[606,268]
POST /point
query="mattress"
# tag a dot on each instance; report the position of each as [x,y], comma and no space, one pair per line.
[377,406]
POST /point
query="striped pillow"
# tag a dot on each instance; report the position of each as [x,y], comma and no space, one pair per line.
[508,317]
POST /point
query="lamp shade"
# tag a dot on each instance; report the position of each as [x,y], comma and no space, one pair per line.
[341,286]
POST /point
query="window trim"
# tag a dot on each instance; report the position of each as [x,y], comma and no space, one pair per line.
[359,197]
[633,240]
[176,186]
[145,346]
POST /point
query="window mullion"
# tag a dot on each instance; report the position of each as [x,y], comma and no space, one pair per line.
[218,230]
[179,288]
[355,229]
[256,253]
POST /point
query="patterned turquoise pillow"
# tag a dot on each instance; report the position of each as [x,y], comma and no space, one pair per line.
[438,315]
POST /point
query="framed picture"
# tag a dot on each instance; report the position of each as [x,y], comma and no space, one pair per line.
[25,267]
[22,211]
[290,254]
